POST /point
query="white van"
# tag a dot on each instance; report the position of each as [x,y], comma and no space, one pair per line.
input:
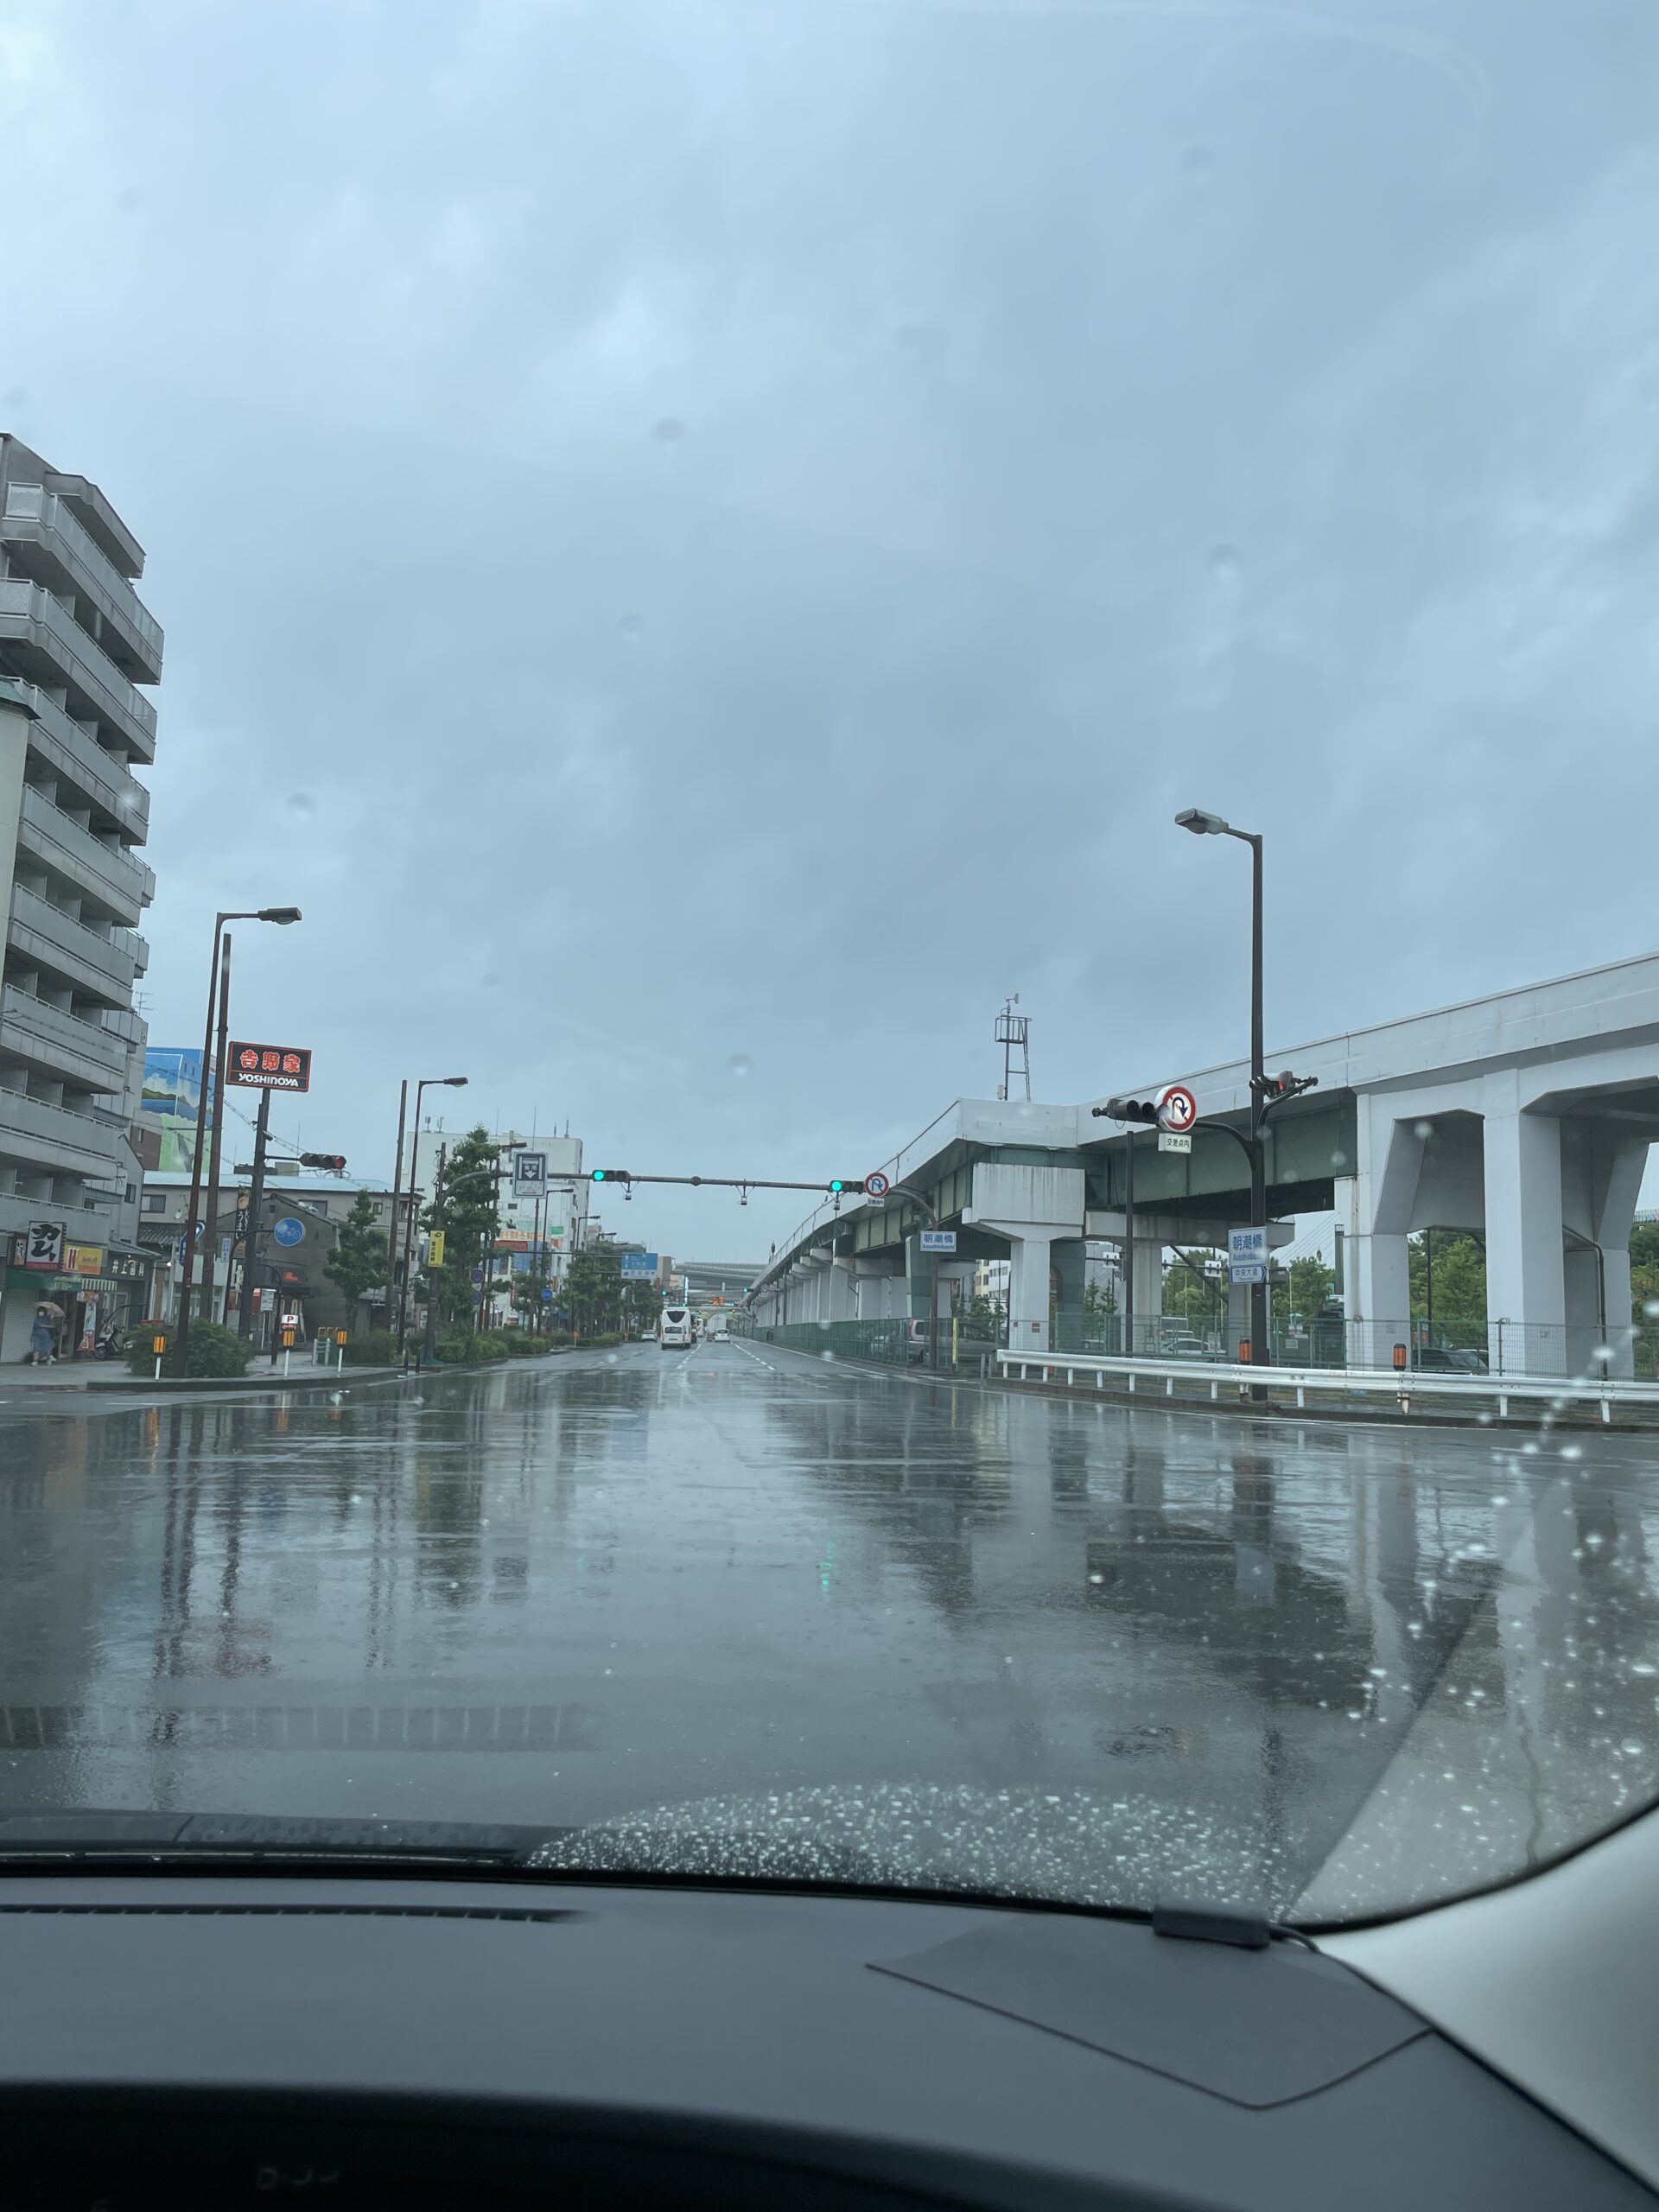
[675,1332]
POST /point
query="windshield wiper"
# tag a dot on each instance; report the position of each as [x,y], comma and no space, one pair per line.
[197,1840]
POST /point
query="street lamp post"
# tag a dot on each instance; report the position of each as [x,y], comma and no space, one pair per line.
[1211,825]
[217,1011]
[426,1082]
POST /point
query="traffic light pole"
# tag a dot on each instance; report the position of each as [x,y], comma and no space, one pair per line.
[256,1207]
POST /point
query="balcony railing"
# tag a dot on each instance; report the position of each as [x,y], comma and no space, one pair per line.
[25,606]
[58,1137]
[59,841]
[86,1050]
[37,515]
[105,965]
[74,754]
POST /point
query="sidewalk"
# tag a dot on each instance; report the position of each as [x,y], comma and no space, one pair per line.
[62,1374]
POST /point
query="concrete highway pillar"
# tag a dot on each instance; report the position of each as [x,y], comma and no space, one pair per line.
[1375,1207]
[1030,1260]
[843,1295]
[1526,1300]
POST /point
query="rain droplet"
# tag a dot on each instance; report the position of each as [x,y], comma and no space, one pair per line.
[1224,564]
[1339,1160]
[301,802]
[1198,164]
[13,396]
[128,198]
[1571,1450]
[490,980]
[739,1064]
[1422,1131]
[1651,1309]
[631,626]
[668,431]
[1631,1749]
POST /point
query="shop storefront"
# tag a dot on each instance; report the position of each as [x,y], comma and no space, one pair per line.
[92,1286]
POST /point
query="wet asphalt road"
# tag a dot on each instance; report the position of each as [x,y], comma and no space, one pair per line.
[872,1622]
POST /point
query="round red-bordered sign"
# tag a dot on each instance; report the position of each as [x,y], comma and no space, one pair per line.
[1177,1109]
[876,1186]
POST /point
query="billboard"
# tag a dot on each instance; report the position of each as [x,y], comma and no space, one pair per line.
[269,1067]
[172,1096]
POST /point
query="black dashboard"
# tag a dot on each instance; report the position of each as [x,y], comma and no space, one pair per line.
[255,2038]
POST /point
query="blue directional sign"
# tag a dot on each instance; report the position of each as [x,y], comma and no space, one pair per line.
[639,1267]
[287,1231]
[1247,1254]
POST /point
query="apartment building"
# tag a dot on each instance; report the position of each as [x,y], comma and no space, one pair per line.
[76,644]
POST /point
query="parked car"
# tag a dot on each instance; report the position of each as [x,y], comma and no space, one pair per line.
[1451,1359]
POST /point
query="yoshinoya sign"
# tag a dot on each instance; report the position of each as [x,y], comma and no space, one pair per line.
[271,1067]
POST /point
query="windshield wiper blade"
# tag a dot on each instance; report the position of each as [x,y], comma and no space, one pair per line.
[60,1838]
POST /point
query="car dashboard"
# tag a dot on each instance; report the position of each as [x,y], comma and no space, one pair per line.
[248,2037]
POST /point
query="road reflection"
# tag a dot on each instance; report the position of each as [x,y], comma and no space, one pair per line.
[1383,1665]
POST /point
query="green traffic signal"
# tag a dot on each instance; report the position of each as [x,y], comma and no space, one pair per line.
[611,1175]
[841,1184]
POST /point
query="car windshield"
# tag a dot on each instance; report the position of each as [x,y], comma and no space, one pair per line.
[831,1019]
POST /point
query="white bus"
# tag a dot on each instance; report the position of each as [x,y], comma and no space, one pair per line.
[674,1331]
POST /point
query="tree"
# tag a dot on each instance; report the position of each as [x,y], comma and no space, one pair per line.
[1310,1285]
[469,1220]
[1459,1284]
[1644,1295]
[358,1263]
[1194,1294]
[592,1290]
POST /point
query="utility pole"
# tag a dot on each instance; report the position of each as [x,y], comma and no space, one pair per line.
[394,1240]
[221,1054]
[256,1205]
[431,1340]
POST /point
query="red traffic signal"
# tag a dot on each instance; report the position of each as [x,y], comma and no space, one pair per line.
[332,1162]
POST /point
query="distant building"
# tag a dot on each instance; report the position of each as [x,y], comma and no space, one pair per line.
[76,642]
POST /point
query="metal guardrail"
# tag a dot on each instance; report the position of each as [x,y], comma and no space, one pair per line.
[1402,1385]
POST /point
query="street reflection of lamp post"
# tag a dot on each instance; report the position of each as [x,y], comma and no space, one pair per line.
[218,988]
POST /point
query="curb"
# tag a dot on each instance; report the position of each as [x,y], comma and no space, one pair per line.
[257,1385]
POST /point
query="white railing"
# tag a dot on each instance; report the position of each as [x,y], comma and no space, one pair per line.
[1158,1379]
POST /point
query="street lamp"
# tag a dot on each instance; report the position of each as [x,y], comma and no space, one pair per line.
[426,1082]
[1211,825]
[219,1009]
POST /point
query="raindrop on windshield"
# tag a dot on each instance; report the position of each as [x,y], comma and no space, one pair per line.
[740,1064]
[1224,564]
[669,430]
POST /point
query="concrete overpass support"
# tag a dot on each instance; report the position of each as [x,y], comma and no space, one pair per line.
[1375,1204]
[843,1289]
[878,1285]
[1602,1167]
[1035,1209]
[1526,1298]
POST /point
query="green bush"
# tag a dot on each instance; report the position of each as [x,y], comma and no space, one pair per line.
[375,1348]
[210,1351]
[460,1348]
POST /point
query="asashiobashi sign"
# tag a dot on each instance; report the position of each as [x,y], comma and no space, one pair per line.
[271,1067]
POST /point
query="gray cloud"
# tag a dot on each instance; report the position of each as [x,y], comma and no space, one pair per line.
[743,521]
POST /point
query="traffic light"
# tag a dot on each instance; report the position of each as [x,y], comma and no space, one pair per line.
[851,1186]
[334,1162]
[610,1175]
[1276,1089]
[1127,1110]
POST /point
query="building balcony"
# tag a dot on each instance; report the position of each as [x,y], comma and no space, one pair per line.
[46,544]
[47,646]
[39,1138]
[104,967]
[61,1043]
[75,757]
[105,873]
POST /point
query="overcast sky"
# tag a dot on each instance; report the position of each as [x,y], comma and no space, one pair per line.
[704,541]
